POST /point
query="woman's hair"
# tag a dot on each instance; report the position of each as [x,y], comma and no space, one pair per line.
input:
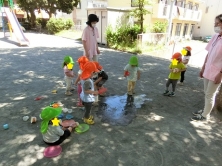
[219,17]
[64,64]
[92,18]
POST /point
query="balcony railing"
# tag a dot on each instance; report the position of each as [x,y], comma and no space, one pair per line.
[97,4]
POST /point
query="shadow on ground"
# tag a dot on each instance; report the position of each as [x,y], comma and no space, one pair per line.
[160,134]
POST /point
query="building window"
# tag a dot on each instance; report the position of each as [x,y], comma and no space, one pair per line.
[178,29]
[191,29]
[185,29]
[180,3]
[134,3]
[207,8]
[195,7]
[78,6]
[189,5]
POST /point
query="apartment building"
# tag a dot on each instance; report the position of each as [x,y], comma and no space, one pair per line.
[211,8]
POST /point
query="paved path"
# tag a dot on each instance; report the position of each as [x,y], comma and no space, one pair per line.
[161,134]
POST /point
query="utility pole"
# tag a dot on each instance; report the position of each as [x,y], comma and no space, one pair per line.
[170,19]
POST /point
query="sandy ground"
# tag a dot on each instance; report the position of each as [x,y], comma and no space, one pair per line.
[160,135]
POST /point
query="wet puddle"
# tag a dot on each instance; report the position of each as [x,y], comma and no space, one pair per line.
[120,110]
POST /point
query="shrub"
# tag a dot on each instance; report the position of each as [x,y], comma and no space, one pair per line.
[56,25]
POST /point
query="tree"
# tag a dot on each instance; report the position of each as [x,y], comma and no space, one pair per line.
[29,6]
[66,6]
[140,11]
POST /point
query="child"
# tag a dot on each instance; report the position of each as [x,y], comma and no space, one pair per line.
[67,67]
[88,92]
[82,60]
[53,134]
[176,67]
[99,79]
[132,72]
[186,52]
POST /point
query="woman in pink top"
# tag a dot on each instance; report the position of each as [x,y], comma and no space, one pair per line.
[211,71]
[89,38]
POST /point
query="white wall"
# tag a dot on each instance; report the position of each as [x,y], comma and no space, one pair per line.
[206,26]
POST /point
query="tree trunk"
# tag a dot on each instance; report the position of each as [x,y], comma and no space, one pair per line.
[33,18]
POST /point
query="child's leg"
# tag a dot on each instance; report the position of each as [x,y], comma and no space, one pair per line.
[174,84]
[66,134]
[168,84]
[68,84]
[87,115]
[133,86]
[182,76]
[129,88]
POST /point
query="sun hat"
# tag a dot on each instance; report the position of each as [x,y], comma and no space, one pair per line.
[48,114]
[88,69]
[176,55]
[98,66]
[82,60]
[68,59]
[133,60]
[188,48]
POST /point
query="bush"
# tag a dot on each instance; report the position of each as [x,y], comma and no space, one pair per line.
[42,21]
[56,25]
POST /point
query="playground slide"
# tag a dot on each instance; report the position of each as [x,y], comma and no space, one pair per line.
[17,30]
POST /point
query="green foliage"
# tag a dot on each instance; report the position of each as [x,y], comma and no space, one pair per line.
[123,38]
[159,27]
[42,22]
[56,25]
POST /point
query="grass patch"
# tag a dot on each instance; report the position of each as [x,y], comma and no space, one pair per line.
[70,34]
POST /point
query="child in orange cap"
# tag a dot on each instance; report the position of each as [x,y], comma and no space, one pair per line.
[176,67]
[82,60]
[88,93]
[186,52]
[99,79]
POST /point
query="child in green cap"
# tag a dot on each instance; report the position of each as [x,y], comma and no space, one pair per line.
[68,65]
[132,72]
[53,133]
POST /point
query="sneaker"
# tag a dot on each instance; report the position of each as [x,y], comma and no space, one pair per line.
[198,118]
[197,112]
[68,93]
[171,94]
[180,83]
[90,117]
[88,121]
[166,93]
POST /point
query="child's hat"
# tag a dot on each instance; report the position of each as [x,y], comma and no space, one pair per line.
[68,59]
[82,60]
[48,114]
[176,55]
[98,66]
[188,48]
[88,69]
[133,60]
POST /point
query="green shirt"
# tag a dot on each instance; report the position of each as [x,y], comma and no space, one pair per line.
[176,76]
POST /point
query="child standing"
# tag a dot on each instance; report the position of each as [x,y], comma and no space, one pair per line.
[132,72]
[53,134]
[186,52]
[82,60]
[176,67]
[88,92]
[69,75]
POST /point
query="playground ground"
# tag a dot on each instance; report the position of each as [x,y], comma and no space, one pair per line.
[160,135]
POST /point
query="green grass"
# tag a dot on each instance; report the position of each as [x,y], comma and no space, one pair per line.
[70,34]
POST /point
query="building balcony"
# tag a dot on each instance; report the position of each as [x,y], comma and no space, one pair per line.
[97,4]
[162,11]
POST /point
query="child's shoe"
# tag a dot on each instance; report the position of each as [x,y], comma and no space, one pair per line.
[68,93]
[166,93]
[171,94]
[180,83]
[88,121]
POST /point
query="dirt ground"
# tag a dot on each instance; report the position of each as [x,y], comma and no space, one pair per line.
[160,135]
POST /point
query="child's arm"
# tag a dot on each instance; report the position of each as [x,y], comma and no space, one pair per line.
[77,80]
[99,79]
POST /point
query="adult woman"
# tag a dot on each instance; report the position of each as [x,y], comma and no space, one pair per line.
[211,71]
[89,38]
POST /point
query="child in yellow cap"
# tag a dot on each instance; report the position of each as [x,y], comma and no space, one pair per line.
[68,65]
[132,72]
